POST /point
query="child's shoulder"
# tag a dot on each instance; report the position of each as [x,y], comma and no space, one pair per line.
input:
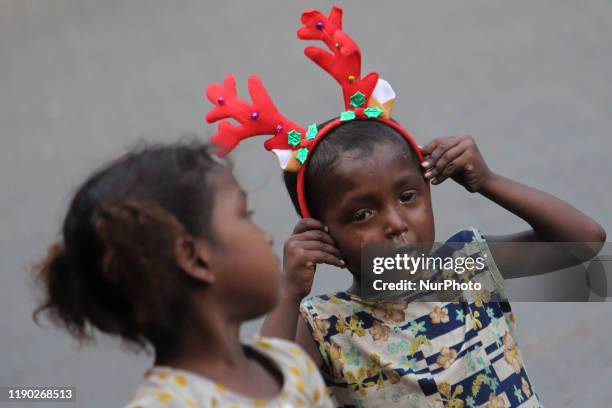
[284,351]
[172,388]
[330,304]
[467,235]
[468,241]
[302,381]
[286,354]
[340,297]
[164,387]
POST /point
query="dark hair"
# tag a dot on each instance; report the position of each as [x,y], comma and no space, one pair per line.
[359,135]
[114,268]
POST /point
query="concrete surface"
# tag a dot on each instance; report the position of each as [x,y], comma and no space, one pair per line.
[83,80]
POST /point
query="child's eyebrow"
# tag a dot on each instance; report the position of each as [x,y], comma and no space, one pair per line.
[407,177]
[357,199]
[404,179]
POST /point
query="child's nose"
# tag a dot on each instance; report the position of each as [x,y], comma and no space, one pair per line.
[395,223]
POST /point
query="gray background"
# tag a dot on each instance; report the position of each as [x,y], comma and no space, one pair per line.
[81,81]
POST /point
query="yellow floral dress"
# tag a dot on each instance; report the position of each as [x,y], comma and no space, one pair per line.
[401,353]
[166,387]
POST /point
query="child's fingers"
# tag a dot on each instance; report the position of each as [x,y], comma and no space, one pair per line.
[458,163]
[428,148]
[324,257]
[431,146]
[449,170]
[315,235]
[306,224]
[441,146]
[322,246]
[438,180]
[445,162]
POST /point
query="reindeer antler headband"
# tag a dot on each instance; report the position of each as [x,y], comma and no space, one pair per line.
[367,97]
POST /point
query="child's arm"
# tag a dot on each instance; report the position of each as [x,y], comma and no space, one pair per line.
[551,219]
[285,322]
[309,245]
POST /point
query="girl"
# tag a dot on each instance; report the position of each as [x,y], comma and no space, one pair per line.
[366,185]
[361,179]
[158,248]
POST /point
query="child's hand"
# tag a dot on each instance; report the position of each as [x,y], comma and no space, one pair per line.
[309,245]
[457,157]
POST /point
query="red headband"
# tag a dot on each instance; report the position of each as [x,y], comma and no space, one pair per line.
[368,97]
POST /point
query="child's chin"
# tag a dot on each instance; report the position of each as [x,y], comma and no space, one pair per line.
[265,304]
[269,295]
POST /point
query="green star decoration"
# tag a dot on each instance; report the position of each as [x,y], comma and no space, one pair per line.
[301,155]
[357,100]
[294,138]
[373,112]
[347,115]
[312,132]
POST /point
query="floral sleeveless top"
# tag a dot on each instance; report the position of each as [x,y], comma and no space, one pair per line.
[420,353]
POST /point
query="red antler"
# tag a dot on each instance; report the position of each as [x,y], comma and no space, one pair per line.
[259,118]
[344,64]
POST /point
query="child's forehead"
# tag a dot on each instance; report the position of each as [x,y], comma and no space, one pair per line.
[225,184]
[385,165]
[382,160]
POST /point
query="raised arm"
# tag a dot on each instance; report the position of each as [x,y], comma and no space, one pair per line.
[309,245]
[551,219]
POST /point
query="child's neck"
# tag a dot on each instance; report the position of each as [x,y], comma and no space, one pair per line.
[212,349]
[204,346]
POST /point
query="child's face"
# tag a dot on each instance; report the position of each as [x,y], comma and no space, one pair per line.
[377,198]
[247,272]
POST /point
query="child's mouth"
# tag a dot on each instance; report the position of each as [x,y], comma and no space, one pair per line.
[403,238]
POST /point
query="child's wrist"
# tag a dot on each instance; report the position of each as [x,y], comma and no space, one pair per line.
[292,296]
[487,183]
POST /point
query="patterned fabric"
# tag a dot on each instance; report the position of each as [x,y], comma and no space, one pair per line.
[420,353]
[166,387]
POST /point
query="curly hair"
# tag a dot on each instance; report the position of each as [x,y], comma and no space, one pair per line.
[114,268]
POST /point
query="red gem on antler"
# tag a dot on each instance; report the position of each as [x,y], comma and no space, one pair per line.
[344,63]
[258,118]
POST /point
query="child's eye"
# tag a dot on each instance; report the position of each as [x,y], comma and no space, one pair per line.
[249,214]
[407,196]
[361,215]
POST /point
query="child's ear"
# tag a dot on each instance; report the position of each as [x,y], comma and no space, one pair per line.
[193,258]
